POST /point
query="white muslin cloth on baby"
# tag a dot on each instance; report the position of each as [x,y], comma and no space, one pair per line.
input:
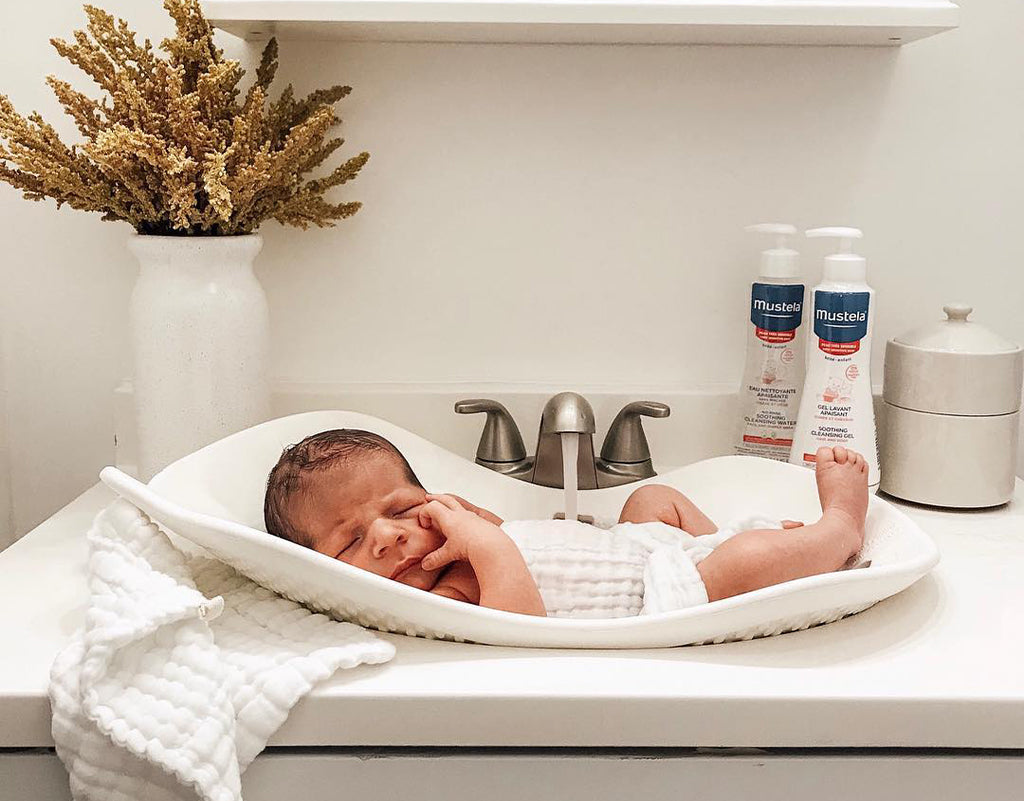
[183,669]
[583,571]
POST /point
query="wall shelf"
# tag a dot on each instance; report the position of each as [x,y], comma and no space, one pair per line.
[757,22]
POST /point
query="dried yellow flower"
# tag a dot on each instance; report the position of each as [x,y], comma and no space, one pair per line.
[169,148]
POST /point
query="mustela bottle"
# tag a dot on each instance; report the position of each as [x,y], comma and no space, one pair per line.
[774,372]
[836,407]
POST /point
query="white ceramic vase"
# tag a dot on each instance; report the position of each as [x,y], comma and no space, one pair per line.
[200,339]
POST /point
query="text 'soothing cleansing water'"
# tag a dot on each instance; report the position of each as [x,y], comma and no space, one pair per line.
[836,407]
[774,371]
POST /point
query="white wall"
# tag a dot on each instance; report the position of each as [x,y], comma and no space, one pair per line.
[554,214]
[6,510]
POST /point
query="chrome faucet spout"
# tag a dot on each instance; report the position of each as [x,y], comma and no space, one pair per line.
[565,413]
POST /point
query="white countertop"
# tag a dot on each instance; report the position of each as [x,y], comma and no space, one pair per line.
[939,665]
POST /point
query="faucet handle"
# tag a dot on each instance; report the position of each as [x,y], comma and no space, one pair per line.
[646,408]
[625,442]
[500,440]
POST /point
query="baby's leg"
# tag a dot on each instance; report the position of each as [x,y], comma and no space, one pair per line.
[656,502]
[762,557]
[755,559]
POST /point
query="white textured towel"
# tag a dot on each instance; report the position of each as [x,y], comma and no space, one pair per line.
[183,669]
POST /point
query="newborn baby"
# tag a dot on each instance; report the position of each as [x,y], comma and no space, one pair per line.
[351,495]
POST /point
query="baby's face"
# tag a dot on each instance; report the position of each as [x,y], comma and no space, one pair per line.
[366,514]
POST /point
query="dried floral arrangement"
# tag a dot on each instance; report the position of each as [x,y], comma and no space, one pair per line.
[170,149]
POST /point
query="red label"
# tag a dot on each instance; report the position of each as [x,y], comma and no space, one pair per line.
[839,348]
[810,457]
[774,337]
[766,440]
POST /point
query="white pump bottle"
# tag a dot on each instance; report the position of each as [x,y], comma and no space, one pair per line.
[836,407]
[774,371]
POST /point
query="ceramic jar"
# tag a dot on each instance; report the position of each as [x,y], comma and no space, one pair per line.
[952,396]
[200,338]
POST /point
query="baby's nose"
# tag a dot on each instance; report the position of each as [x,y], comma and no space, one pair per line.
[386,535]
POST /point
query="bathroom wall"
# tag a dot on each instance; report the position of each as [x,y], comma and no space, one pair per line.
[6,511]
[562,215]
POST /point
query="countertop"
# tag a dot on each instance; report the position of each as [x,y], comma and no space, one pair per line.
[941,665]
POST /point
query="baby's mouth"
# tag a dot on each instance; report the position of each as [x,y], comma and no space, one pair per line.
[406,564]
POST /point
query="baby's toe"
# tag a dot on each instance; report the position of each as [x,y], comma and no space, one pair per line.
[842,455]
[824,456]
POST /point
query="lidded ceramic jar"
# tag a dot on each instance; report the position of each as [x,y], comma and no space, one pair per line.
[952,396]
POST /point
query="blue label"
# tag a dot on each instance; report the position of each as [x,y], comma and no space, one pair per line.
[841,316]
[776,307]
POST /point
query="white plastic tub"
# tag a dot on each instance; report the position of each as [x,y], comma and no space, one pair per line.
[214,498]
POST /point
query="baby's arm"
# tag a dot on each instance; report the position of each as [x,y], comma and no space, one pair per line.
[458,581]
[505,580]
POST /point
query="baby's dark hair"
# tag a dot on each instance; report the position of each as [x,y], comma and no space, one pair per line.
[315,454]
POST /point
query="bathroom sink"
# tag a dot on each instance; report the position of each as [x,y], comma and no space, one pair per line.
[213,498]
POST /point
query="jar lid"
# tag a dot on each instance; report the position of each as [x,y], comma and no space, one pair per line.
[957,334]
[954,367]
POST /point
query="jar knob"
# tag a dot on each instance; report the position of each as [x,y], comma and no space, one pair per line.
[957,312]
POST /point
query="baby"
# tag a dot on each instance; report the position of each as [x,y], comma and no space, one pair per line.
[351,495]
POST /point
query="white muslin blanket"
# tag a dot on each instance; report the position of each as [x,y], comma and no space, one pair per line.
[584,571]
[183,669]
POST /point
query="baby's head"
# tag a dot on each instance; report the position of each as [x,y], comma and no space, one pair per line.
[350,494]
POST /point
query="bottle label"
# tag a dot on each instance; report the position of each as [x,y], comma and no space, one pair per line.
[840,321]
[774,372]
[776,310]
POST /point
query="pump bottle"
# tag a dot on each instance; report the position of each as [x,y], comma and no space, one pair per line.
[774,371]
[836,407]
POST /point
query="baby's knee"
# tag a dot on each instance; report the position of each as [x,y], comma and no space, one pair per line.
[651,502]
[652,493]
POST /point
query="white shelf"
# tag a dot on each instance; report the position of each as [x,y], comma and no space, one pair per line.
[784,22]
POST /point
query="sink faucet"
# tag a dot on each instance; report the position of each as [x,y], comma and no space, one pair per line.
[625,455]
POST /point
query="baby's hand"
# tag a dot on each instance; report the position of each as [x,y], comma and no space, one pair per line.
[489,516]
[464,531]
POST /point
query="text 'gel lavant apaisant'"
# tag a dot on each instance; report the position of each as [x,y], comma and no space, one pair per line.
[774,371]
[836,407]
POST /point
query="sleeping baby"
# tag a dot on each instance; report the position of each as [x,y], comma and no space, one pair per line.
[351,495]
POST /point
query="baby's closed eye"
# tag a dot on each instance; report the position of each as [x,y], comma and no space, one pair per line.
[348,546]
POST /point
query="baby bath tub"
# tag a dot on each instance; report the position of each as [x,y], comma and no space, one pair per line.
[213,498]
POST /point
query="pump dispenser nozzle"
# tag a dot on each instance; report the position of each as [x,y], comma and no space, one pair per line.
[844,266]
[780,261]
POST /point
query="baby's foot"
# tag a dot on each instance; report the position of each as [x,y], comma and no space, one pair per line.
[842,477]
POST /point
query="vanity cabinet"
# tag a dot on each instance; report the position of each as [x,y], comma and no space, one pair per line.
[650,775]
